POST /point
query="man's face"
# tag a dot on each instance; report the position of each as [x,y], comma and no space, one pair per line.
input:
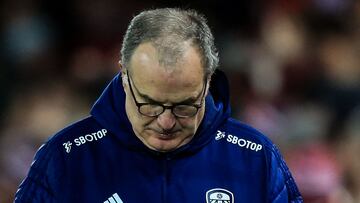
[153,83]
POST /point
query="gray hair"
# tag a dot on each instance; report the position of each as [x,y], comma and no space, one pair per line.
[166,28]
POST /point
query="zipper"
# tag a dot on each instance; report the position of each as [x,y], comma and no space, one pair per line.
[165,178]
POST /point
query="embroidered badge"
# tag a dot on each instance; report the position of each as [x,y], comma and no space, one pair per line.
[219,195]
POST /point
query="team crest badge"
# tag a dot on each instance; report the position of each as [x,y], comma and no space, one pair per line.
[219,195]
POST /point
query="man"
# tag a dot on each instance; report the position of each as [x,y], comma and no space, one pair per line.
[161,131]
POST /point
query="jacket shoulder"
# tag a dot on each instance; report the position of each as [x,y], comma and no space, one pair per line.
[280,181]
[241,130]
[46,170]
[86,125]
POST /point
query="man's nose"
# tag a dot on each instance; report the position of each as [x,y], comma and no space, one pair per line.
[166,120]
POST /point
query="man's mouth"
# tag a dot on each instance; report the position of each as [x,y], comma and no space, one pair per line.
[166,134]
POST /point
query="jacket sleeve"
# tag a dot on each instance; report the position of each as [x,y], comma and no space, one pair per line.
[38,186]
[282,185]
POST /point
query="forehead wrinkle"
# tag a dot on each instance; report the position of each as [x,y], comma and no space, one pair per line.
[175,79]
[181,80]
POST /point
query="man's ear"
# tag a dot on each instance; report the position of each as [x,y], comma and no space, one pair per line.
[123,74]
[208,81]
[121,67]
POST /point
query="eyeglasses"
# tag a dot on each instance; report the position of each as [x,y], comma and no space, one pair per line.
[155,109]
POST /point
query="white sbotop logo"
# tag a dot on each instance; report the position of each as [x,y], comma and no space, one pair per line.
[83,139]
[243,143]
[67,146]
[220,135]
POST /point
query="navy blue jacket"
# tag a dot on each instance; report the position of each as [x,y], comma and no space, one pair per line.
[99,159]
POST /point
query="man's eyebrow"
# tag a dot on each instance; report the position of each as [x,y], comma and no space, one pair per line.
[147,98]
[189,100]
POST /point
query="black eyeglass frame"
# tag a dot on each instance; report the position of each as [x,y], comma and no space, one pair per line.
[164,107]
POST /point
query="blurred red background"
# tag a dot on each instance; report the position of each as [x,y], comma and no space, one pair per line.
[294,70]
